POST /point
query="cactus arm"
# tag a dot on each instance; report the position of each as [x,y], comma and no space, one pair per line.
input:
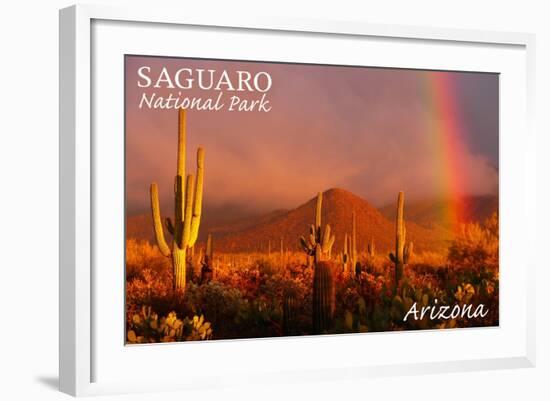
[179,211]
[181,143]
[318,252]
[318,211]
[305,245]
[155,209]
[197,204]
[331,243]
[188,210]
[404,235]
[312,236]
[180,174]
[179,183]
[326,239]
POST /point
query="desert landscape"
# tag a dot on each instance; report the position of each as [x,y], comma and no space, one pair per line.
[334,264]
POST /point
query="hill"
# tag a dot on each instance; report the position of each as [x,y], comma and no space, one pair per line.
[338,205]
[254,233]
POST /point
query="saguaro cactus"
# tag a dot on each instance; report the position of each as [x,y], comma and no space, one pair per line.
[282,252]
[320,246]
[353,245]
[402,251]
[371,250]
[345,253]
[206,263]
[323,297]
[317,245]
[209,253]
[289,305]
[188,208]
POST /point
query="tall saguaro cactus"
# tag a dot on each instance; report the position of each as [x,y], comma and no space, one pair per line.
[402,251]
[188,208]
[319,245]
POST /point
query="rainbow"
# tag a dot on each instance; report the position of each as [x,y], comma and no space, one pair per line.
[445,127]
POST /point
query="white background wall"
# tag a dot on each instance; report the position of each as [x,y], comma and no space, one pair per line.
[29,185]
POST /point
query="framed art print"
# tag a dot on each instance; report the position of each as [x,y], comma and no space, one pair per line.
[347,188]
[289,218]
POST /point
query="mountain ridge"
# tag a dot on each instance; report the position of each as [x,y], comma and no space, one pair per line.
[433,212]
[256,233]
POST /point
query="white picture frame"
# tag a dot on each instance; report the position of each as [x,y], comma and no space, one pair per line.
[88,366]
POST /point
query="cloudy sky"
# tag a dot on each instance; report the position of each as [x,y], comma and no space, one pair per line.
[368,130]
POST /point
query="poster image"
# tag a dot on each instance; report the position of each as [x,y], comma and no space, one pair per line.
[272,199]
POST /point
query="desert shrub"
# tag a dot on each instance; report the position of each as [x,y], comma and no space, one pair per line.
[266,267]
[429,259]
[142,255]
[154,288]
[222,305]
[245,297]
[476,245]
[376,265]
[146,327]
